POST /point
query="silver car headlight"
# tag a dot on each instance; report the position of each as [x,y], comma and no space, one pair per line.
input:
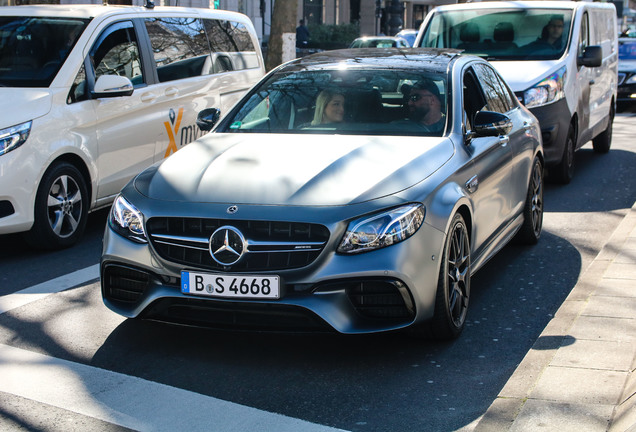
[127,221]
[631,80]
[381,230]
[547,91]
[13,137]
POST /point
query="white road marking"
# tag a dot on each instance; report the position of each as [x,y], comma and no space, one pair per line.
[120,399]
[37,292]
[129,401]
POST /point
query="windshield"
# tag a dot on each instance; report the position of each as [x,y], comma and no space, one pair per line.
[33,49]
[502,34]
[627,50]
[369,102]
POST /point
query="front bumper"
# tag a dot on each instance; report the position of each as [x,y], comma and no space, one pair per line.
[386,289]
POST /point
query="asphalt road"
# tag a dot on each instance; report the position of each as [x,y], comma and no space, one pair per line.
[140,372]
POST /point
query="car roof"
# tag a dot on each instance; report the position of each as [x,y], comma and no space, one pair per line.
[385,58]
[533,4]
[93,11]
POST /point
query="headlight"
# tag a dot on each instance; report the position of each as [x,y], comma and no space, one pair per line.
[13,137]
[547,91]
[631,80]
[380,230]
[127,221]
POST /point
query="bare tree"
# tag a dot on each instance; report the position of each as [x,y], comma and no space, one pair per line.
[283,21]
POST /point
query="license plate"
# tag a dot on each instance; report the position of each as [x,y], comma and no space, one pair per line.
[230,286]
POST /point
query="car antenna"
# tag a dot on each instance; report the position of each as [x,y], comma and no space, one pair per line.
[150,4]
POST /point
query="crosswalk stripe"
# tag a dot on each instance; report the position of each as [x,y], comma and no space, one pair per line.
[36,292]
[129,401]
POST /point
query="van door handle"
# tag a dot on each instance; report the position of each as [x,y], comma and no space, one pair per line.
[148,97]
[172,91]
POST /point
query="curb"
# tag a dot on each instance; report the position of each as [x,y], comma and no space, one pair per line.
[608,402]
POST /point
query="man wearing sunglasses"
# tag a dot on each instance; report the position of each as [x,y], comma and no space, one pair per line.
[425,106]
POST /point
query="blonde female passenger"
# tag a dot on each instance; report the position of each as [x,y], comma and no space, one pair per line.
[329,108]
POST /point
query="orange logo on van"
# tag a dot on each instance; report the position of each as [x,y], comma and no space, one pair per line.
[175,121]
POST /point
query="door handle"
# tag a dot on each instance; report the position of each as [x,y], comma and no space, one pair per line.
[148,97]
[171,91]
[503,140]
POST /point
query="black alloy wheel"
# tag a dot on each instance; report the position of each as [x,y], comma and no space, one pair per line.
[533,209]
[453,287]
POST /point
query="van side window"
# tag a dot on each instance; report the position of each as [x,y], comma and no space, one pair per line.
[231,44]
[180,47]
[497,95]
[116,52]
[584,36]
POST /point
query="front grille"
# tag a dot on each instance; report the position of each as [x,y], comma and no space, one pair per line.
[386,299]
[270,245]
[124,284]
[235,315]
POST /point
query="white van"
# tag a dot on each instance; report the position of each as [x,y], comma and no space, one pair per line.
[559,57]
[91,95]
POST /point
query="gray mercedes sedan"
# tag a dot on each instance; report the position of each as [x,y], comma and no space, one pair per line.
[354,190]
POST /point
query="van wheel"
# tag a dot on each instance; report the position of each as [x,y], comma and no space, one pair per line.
[603,141]
[533,209]
[564,171]
[453,286]
[61,208]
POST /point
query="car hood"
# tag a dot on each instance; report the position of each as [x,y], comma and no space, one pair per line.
[285,169]
[627,65]
[521,75]
[19,105]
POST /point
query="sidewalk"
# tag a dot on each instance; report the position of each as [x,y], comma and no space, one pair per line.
[580,375]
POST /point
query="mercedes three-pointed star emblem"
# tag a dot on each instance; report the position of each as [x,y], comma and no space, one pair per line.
[227,245]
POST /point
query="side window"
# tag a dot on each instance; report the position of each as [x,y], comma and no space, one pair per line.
[180,47]
[497,95]
[116,52]
[584,37]
[231,45]
[473,97]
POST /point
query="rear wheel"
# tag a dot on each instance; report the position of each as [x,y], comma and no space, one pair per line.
[533,209]
[603,141]
[453,286]
[61,208]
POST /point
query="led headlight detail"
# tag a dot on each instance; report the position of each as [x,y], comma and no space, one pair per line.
[13,137]
[381,230]
[127,221]
[548,90]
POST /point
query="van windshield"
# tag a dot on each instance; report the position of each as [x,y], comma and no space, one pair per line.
[501,34]
[33,49]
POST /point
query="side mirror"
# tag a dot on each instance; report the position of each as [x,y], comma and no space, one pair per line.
[208,118]
[112,86]
[592,57]
[488,123]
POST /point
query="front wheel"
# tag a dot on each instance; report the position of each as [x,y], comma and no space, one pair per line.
[564,171]
[603,141]
[533,208]
[453,286]
[61,208]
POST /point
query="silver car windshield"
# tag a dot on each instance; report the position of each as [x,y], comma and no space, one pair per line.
[33,49]
[502,34]
[351,101]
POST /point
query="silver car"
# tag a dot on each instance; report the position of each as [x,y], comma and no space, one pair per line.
[368,210]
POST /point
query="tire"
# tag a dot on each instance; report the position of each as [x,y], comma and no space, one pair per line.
[453,286]
[603,141]
[61,208]
[533,208]
[564,171]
